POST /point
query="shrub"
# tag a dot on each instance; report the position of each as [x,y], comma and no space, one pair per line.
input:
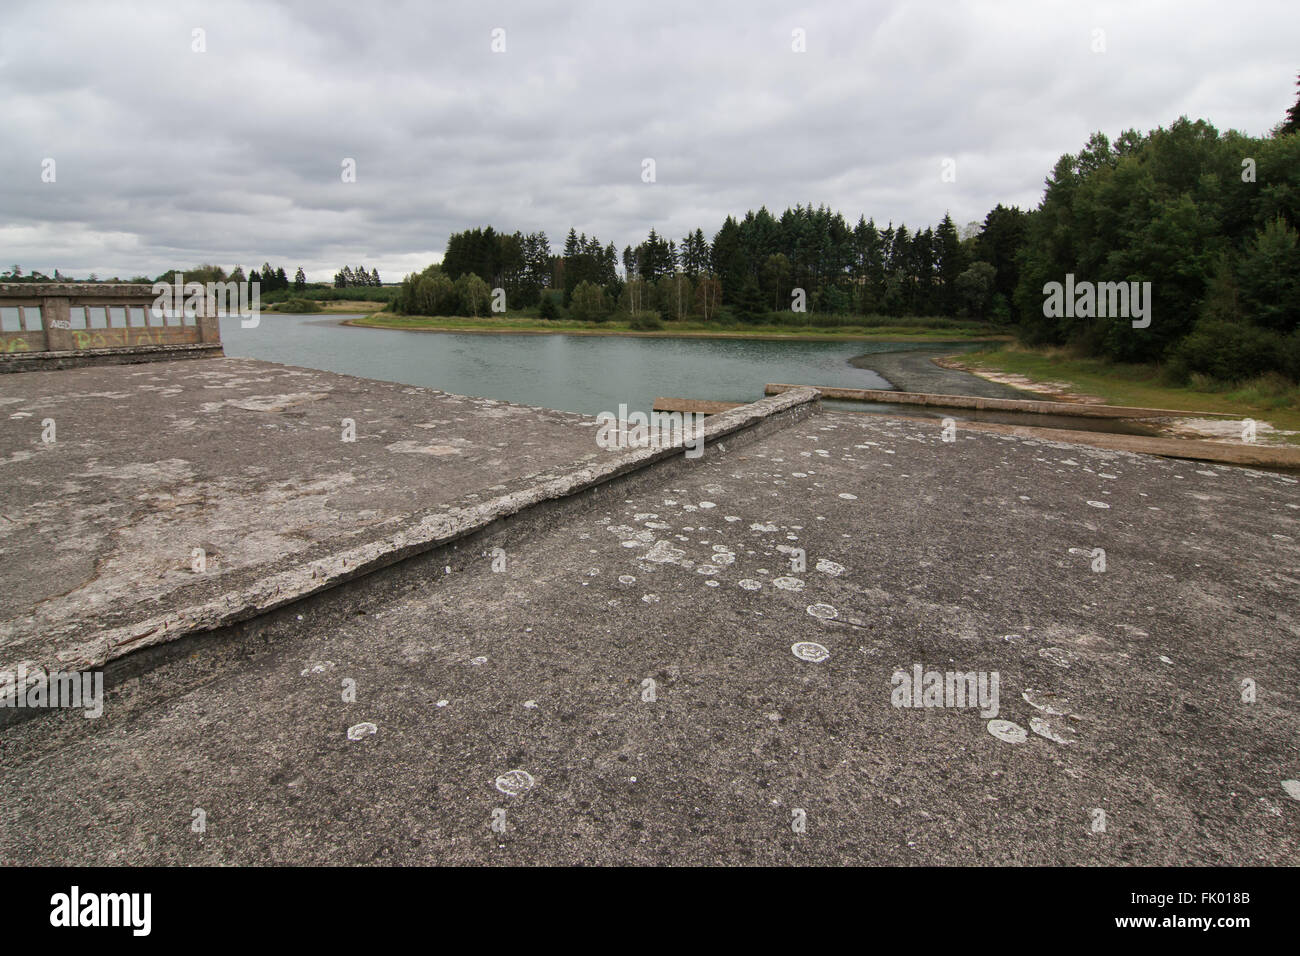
[590,304]
[645,321]
[297,305]
[1230,351]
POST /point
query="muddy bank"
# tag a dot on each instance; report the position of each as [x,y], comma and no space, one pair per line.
[914,370]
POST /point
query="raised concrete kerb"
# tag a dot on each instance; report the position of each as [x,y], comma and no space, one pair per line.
[981,403]
[410,535]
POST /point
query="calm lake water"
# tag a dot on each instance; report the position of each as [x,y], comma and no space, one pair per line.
[577,373]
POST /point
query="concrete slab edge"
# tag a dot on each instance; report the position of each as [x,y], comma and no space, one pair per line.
[417,535]
[85,358]
[1072,409]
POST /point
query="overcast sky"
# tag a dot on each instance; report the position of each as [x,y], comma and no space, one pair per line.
[166,157]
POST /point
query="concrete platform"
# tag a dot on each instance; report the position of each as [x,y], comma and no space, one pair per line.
[974,555]
[242,459]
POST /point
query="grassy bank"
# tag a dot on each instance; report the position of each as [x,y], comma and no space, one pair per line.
[1269,399]
[869,328]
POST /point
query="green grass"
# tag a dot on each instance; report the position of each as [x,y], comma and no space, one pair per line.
[1268,398]
[872,327]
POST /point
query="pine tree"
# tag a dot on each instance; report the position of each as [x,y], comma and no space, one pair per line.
[1292,122]
[951,264]
[299,280]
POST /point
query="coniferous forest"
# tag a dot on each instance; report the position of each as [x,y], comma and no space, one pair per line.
[1209,218]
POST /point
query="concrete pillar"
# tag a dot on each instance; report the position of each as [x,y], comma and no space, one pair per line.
[56,316]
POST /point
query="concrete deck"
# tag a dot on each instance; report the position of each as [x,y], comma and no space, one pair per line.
[970,555]
[242,459]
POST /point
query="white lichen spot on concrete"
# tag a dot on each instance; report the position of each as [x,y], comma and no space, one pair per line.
[1008,732]
[1057,656]
[809,651]
[751,585]
[830,567]
[1045,701]
[788,584]
[363,729]
[420,448]
[1098,504]
[515,782]
[1292,788]
[1044,728]
[664,553]
[822,611]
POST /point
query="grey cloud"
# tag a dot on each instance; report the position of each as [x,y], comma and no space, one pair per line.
[168,157]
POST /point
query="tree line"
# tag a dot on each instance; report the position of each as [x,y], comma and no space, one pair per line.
[348,278]
[1210,219]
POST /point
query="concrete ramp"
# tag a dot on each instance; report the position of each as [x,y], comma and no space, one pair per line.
[179,498]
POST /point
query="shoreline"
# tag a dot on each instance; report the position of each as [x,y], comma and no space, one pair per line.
[936,337]
[1199,425]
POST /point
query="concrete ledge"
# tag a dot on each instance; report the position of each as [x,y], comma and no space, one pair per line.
[1265,456]
[994,404]
[83,358]
[423,532]
[697,406]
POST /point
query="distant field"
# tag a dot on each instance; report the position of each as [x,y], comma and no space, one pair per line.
[347,305]
[526,323]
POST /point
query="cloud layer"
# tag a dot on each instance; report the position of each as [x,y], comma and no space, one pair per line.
[165,156]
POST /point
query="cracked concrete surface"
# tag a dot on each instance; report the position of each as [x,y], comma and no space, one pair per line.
[242,460]
[634,660]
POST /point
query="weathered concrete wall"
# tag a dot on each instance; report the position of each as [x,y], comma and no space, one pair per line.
[59,326]
[86,358]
